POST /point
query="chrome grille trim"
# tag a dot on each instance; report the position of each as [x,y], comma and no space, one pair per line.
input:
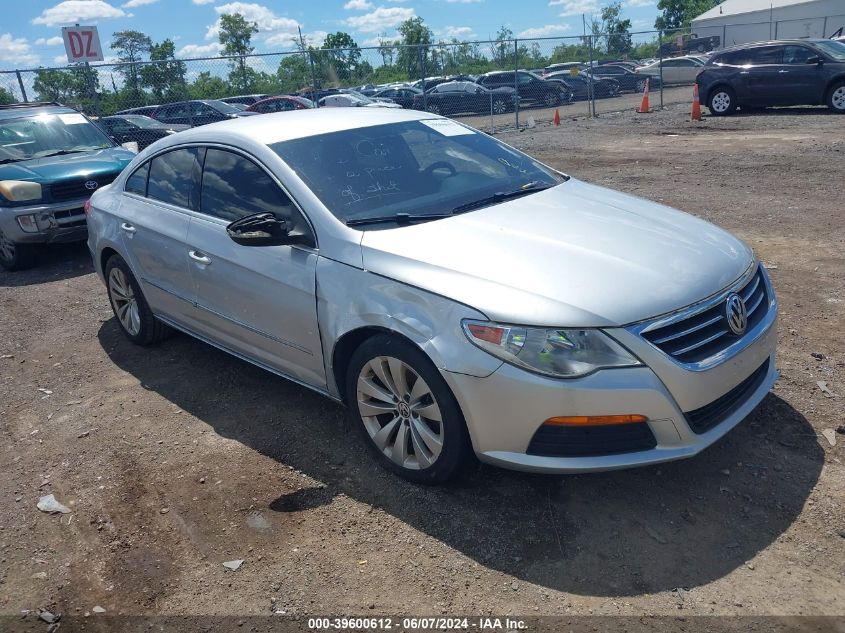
[675,334]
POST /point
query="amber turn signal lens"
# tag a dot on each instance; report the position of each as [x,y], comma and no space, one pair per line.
[595,420]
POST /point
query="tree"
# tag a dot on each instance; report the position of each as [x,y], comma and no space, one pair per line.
[502,48]
[616,30]
[677,14]
[75,86]
[412,57]
[165,79]
[342,58]
[236,39]
[6,97]
[130,47]
[207,87]
[294,72]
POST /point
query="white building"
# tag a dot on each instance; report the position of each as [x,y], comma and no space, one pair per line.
[741,21]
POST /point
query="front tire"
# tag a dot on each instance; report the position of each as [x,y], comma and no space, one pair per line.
[406,411]
[15,256]
[836,97]
[499,106]
[434,108]
[722,101]
[133,313]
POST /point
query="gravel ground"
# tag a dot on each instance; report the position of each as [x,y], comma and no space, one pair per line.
[178,458]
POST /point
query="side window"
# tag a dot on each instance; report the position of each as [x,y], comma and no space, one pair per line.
[767,55]
[796,54]
[234,187]
[284,106]
[525,79]
[174,177]
[137,182]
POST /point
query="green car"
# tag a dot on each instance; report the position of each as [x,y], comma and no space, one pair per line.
[52,158]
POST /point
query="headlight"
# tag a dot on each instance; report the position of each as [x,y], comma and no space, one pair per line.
[20,190]
[561,353]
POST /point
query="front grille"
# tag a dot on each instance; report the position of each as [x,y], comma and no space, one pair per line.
[587,441]
[706,333]
[70,189]
[68,213]
[705,418]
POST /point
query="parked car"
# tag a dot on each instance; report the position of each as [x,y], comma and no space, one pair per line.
[52,158]
[430,82]
[143,110]
[403,95]
[464,297]
[134,128]
[281,103]
[691,43]
[465,97]
[777,73]
[626,78]
[349,100]
[532,89]
[562,67]
[678,70]
[246,100]
[579,85]
[198,112]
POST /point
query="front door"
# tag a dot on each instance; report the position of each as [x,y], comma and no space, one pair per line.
[805,82]
[259,301]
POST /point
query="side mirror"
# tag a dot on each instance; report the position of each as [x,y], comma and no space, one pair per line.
[261,229]
[815,59]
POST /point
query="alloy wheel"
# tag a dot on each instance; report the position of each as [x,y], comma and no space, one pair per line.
[499,107]
[124,302]
[721,102]
[7,248]
[400,413]
[838,98]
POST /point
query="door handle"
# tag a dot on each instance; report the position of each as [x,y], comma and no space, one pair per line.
[199,257]
[128,227]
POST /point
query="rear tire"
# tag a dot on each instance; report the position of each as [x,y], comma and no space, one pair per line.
[836,97]
[15,256]
[722,101]
[434,108]
[133,313]
[406,412]
[499,106]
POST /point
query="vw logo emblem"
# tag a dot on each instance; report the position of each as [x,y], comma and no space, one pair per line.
[404,410]
[90,185]
[736,314]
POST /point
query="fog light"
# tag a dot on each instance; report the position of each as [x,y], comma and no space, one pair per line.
[27,223]
[595,420]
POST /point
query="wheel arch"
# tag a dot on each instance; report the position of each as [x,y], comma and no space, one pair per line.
[346,345]
[712,89]
[105,255]
[830,84]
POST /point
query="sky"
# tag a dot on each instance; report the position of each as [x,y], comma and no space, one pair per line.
[30,31]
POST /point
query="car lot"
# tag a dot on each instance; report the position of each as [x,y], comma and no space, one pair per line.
[179,458]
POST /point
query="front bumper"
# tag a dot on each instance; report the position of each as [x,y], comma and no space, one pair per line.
[57,222]
[504,410]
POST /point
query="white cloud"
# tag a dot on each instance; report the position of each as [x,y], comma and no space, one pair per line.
[53,41]
[358,5]
[381,19]
[71,11]
[137,3]
[637,3]
[458,32]
[544,31]
[381,39]
[199,50]
[576,7]
[272,28]
[16,50]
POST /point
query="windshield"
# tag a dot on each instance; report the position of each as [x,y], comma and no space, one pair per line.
[358,96]
[834,49]
[48,134]
[414,167]
[222,106]
[142,121]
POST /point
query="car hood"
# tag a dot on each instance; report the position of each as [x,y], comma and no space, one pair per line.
[68,166]
[573,255]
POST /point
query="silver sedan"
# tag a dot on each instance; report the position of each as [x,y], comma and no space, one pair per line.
[459,296]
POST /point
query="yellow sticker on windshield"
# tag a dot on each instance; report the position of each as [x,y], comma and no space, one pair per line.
[447,127]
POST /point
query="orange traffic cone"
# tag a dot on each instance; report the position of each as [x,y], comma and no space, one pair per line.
[644,105]
[557,117]
[695,115]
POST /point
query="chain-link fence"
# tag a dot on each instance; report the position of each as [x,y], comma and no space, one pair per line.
[492,84]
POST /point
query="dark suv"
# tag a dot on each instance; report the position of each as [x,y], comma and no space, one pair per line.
[533,89]
[199,112]
[778,73]
[52,158]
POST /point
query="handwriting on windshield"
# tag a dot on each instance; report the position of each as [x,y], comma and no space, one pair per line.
[515,166]
[373,190]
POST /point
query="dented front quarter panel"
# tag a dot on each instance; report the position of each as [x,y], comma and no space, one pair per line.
[349,299]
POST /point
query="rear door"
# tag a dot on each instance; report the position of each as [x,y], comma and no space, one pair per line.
[256,301]
[155,211]
[768,77]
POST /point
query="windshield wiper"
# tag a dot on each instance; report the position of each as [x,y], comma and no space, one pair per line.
[62,152]
[398,218]
[529,187]
[6,161]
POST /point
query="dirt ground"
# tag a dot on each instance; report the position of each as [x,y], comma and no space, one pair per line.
[177,458]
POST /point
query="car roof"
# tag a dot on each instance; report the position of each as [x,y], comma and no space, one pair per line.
[740,47]
[284,126]
[23,111]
